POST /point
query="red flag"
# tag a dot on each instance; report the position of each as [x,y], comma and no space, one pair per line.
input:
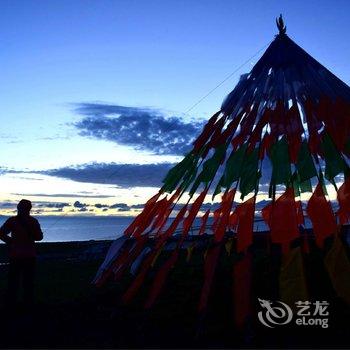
[343,197]
[278,120]
[255,136]
[217,213]
[171,229]
[265,146]
[314,124]
[294,130]
[283,219]
[305,248]
[245,212]
[165,210]
[242,271]
[193,211]
[163,272]
[118,261]
[230,130]
[233,220]
[336,127]
[204,220]
[294,143]
[217,131]
[209,271]
[266,213]
[137,282]
[162,209]
[132,254]
[321,215]
[206,133]
[160,279]
[300,215]
[226,205]
[143,219]
[247,123]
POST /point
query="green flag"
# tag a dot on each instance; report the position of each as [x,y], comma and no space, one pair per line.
[232,169]
[300,186]
[334,161]
[281,173]
[250,173]
[174,176]
[305,165]
[234,166]
[210,167]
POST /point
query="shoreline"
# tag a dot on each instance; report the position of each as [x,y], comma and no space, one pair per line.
[73,250]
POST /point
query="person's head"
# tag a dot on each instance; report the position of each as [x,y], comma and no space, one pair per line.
[23,207]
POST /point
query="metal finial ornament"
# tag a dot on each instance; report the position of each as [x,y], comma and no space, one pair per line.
[280,25]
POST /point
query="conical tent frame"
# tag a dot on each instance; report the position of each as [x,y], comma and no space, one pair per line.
[282,134]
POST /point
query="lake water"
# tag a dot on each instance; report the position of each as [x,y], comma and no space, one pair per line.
[68,228]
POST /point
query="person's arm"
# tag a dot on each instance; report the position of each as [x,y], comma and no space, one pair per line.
[5,230]
[37,233]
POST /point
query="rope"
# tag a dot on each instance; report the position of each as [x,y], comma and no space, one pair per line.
[225,79]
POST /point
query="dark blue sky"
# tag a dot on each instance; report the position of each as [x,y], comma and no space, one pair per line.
[164,54]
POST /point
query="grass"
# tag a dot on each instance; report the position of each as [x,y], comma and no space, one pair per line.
[71,313]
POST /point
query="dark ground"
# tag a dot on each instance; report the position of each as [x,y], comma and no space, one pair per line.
[71,313]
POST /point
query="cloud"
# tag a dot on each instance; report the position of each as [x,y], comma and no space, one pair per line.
[39,207]
[28,178]
[3,170]
[59,205]
[122,175]
[78,204]
[123,209]
[142,128]
[137,206]
[62,195]
[58,210]
[36,205]
[99,205]
[8,205]
[119,206]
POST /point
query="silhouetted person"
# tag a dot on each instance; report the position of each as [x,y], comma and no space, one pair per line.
[24,230]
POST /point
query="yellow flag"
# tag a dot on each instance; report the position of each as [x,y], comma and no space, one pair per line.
[189,252]
[228,246]
[292,281]
[205,254]
[338,267]
[157,255]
